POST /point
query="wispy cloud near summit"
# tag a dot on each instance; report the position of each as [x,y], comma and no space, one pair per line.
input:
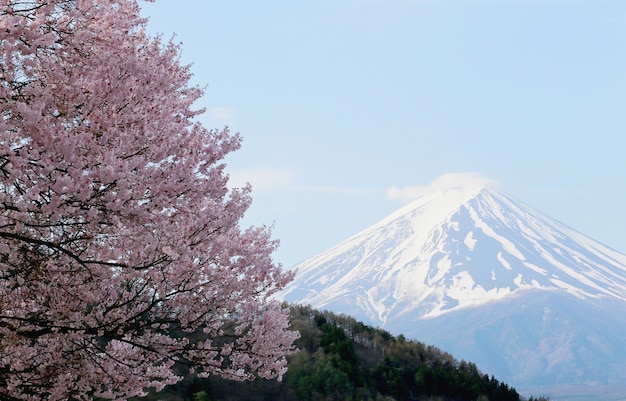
[446,181]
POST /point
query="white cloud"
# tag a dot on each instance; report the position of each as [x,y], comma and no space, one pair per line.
[446,181]
[266,179]
[262,178]
[355,191]
[405,194]
[222,115]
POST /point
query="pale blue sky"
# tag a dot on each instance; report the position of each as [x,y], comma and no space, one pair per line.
[340,100]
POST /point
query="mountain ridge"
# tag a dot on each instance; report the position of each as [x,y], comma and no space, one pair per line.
[445,247]
[458,252]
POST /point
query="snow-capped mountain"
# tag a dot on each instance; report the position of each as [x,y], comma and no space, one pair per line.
[486,277]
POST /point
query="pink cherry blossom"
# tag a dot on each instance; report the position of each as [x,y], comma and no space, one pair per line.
[121,251]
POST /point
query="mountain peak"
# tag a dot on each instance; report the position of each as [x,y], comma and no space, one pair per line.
[464,181]
[462,242]
[450,182]
[474,270]
[431,204]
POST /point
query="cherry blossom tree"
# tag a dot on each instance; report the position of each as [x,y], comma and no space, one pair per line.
[122,259]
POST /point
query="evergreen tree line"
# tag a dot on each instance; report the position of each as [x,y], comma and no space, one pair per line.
[340,358]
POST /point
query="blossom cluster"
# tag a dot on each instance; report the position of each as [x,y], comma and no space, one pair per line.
[121,252]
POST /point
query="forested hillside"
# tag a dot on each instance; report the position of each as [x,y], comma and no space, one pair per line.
[342,359]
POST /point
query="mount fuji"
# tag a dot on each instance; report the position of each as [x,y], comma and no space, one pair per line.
[489,279]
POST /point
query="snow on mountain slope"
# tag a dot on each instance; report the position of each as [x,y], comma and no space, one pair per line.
[453,248]
[489,279]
